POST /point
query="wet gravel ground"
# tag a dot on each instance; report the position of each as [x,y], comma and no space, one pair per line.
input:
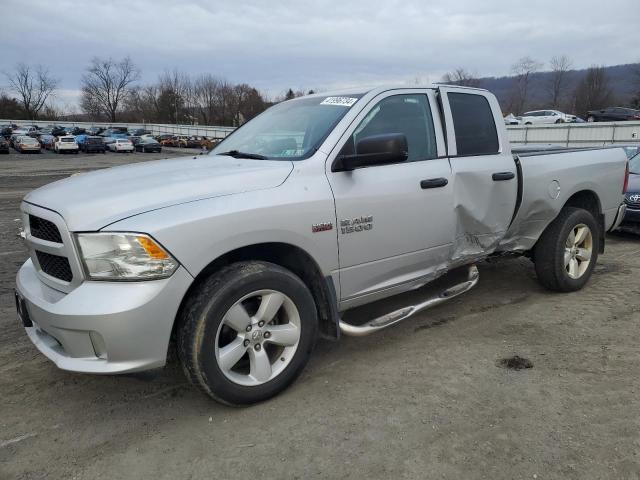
[433,397]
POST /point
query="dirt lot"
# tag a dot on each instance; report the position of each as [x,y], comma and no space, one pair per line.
[426,399]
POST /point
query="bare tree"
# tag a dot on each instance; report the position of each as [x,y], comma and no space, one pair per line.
[33,87]
[461,76]
[594,91]
[560,66]
[522,70]
[105,86]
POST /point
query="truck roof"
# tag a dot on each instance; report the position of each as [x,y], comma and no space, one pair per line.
[361,91]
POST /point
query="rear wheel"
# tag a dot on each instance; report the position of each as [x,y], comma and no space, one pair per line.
[247,332]
[567,251]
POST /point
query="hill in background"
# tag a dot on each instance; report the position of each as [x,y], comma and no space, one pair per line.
[623,82]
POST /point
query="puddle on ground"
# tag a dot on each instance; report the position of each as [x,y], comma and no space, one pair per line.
[515,363]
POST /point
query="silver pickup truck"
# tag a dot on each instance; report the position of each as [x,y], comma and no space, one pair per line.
[320,204]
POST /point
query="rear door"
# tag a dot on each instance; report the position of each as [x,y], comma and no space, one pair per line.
[485,183]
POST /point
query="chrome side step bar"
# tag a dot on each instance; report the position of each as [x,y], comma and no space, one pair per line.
[403,313]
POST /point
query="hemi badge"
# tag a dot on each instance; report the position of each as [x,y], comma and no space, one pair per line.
[321,227]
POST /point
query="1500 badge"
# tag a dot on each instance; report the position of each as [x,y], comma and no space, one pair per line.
[359,224]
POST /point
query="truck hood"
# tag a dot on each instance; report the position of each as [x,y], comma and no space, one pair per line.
[90,201]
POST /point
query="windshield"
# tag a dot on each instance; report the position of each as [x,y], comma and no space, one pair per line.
[634,164]
[291,130]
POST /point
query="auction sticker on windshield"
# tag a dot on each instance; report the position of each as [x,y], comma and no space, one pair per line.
[339,101]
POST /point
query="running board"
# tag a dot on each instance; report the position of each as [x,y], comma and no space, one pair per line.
[403,313]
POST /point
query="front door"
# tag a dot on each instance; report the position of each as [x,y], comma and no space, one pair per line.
[394,221]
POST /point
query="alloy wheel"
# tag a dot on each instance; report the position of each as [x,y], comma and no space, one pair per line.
[257,337]
[578,251]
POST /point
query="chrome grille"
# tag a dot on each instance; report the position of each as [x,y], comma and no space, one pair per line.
[55,266]
[632,200]
[51,248]
[44,229]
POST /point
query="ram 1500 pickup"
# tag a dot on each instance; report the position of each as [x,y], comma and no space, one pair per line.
[320,204]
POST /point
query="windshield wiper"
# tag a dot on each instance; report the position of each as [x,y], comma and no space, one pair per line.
[239,154]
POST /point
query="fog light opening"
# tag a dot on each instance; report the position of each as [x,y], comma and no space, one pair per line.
[99,347]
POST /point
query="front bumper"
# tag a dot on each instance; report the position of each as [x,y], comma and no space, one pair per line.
[103,327]
[631,216]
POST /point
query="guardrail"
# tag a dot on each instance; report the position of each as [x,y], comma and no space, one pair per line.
[566,134]
[155,128]
[576,134]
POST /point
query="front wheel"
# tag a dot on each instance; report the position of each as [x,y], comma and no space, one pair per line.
[567,251]
[247,332]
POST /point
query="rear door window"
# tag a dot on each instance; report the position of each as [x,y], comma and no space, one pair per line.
[474,125]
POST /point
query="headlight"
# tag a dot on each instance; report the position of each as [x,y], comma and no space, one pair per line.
[124,256]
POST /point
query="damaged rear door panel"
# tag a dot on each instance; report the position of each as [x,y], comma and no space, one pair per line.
[485,180]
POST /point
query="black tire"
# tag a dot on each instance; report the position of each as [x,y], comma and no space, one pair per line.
[549,252]
[203,313]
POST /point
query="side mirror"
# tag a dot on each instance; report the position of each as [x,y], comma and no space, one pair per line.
[374,150]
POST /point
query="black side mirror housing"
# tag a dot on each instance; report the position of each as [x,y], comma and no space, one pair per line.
[381,149]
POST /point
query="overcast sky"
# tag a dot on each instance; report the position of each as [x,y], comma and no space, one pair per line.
[321,44]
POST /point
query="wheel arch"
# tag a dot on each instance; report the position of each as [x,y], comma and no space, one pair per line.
[287,256]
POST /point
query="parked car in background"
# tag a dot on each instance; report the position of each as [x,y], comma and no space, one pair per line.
[47,141]
[93,144]
[95,130]
[78,131]
[148,145]
[66,144]
[163,137]
[26,144]
[30,130]
[4,145]
[120,145]
[5,131]
[134,139]
[57,131]
[139,132]
[15,135]
[536,117]
[115,133]
[632,195]
[210,143]
[613,114]
[190,142]
[511,119]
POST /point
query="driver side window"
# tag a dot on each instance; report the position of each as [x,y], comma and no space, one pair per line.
[409,115]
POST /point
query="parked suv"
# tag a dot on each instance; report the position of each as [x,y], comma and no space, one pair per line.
[613,114]
[66,144]
[546,116]
[93,144]
[632,195]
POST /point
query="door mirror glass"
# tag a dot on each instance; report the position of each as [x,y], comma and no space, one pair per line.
[380,149]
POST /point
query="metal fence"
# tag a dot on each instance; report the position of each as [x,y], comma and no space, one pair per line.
[154,128]
[577,134]
[566,134]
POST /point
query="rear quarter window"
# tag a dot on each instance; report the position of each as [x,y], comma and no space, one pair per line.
[474,125]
